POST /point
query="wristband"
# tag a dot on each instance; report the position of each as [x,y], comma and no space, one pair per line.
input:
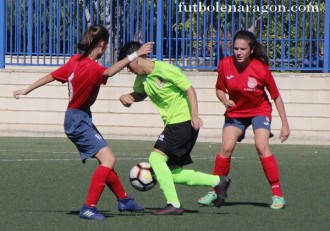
[132,56]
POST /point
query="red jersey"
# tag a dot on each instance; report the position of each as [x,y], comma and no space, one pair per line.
[84,79]
[247,88]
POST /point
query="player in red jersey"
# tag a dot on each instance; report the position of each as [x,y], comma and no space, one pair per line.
[244,78]
[84,77]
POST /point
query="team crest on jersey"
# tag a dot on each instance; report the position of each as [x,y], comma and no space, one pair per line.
[160,82]
[252,82]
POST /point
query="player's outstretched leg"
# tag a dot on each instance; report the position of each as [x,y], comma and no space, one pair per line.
[221,190]
[213,197]
[221,168]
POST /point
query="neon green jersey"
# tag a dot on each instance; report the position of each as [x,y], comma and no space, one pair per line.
[167,88]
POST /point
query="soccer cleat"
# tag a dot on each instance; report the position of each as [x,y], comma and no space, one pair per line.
[221,191]
[91,213]
[169,210]
[207,199]
[129,205]
[278,202]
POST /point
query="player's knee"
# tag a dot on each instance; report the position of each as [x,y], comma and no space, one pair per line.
[263,150]
[110,163]
[151,159]
[227,151]
[155,158]
[106,157]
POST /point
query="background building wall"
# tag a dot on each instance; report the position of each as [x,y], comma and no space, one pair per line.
[41,113]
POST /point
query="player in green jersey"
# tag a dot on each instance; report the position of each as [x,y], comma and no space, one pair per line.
[175,98]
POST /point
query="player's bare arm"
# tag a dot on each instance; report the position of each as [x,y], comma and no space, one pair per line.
[118,66]
[128,99]
[40,82]
[223,99]
[285,130]
[196,121]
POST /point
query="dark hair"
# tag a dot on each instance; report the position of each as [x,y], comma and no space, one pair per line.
[258,51]
[92,37]
[128,49]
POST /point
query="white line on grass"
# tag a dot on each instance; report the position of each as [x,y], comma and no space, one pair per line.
[20,160]
[52,152]
[120,158]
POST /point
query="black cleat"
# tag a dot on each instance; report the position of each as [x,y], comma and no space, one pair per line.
[169,210]
[221,191]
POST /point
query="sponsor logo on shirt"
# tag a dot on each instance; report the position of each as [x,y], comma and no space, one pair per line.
[160,82]
[230,76]
[252,83]
[161,137]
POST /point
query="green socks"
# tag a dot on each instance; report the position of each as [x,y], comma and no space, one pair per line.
[164,177]
[194,178]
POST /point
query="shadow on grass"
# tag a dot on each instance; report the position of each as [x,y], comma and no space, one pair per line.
[246,203]
[239,203]
[147,211]
[104,213]
[185,210]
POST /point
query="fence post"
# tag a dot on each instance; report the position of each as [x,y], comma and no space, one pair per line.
[3,28]
[326,64]
[160,28]
[30,24]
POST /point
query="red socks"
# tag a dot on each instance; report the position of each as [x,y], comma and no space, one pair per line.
[97,185]
[221,166]
[115,185]
[269,165]
[102,176]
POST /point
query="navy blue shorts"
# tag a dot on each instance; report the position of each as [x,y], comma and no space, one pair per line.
[80,129]
[244,123]
[177,141]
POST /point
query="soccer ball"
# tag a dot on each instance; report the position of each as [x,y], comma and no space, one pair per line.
[142,177]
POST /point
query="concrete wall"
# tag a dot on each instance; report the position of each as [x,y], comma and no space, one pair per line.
[41,113]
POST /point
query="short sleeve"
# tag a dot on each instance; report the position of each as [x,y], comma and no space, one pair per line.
[63,73]
[220,84]
[178,78]
[271,84]
[138,85]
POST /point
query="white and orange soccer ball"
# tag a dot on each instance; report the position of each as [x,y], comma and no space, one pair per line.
[142,177]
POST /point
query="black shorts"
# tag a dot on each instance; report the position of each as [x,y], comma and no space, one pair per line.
[177,141]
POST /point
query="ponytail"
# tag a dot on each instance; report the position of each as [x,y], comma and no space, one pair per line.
[92,37]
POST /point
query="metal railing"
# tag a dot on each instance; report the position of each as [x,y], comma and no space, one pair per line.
[194,35]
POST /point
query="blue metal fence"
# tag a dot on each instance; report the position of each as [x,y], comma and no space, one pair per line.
[191,34]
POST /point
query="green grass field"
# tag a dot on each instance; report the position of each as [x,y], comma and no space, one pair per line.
[44,184]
